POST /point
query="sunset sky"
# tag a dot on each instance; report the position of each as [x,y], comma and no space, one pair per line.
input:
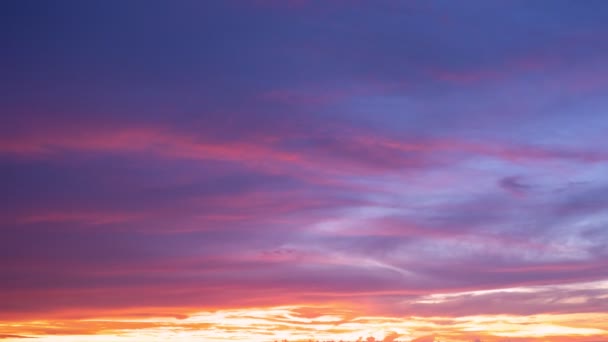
[251,171]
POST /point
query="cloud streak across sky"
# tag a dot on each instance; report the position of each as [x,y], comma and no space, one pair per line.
[259,170]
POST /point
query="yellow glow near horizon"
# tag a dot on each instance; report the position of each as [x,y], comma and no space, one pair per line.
[289,322]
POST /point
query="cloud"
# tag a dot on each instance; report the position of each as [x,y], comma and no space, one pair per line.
[514,185]
[2,336]
[406,164]
[390,337]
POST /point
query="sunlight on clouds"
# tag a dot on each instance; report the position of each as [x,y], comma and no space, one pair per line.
[526,326]
[437,298]
[293,323]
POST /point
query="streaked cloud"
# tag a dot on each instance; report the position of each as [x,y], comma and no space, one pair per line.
[418,171]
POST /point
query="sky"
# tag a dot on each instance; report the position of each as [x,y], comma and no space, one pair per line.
[264,170]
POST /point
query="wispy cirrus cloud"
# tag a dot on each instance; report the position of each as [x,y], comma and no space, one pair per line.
[276,169]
